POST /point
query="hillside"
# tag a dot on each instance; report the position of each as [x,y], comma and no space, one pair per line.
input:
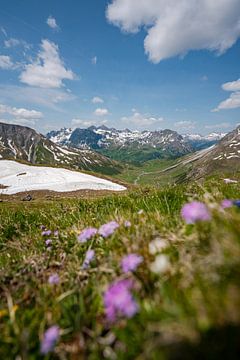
[223,157]
[139,284]
[23,143]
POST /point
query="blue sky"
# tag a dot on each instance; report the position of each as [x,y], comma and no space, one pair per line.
[118,63]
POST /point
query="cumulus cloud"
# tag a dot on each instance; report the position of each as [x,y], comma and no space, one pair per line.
[185,125]
[232,86]
[87,123]
[20,116]
[97,100]
[233,101]
[6,63]
[52,23]
[141,120]
[20,113]
[48,70]
[101,112]
[174,27]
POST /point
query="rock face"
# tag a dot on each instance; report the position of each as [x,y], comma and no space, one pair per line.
[23,143]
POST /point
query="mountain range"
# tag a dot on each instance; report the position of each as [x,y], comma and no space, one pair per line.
[132,146]
[83,149]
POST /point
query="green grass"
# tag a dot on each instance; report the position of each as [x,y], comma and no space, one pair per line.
[137,155]
[190,312]
[152,173]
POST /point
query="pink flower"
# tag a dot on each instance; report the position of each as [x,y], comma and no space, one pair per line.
[108,229]
[195,211]
[90,255]
[53,279]
[226,203]
[119,302]
[87,234]
[50,338]
[131,262]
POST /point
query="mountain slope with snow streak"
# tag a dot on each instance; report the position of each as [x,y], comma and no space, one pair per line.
[16,178]
[23,143]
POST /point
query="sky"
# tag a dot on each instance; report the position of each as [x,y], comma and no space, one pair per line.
[133,64]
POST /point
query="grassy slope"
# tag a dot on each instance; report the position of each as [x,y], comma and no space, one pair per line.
[152,173]
[192,310]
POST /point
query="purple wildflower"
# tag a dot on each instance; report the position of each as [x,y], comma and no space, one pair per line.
[46,233]
[131,262]
[195,211]
[127,224]
[108,229]
[48,242]
[237,203]
[42,227]
[87,234]
[53,279]
[226,203]
[50,338]
[119,302]
[56,233]
[90,255]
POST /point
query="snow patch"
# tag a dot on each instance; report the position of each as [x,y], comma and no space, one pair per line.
[47,178]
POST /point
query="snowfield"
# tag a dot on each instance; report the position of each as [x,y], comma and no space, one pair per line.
[21,178]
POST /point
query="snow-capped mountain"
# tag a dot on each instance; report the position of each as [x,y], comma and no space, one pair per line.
[117,143]
[126,144]
[23,143]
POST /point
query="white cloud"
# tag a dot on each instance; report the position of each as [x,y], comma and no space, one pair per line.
[232,86]
[185,125]
[52,23]
[174,27]
[233,101]
[94,60]
[141,120]
[6,63]
[218,126]
[48,71]
[101,112]
[50,98]
[87,123]
[20,116]
[97,100]
[20,113]
[12,42]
